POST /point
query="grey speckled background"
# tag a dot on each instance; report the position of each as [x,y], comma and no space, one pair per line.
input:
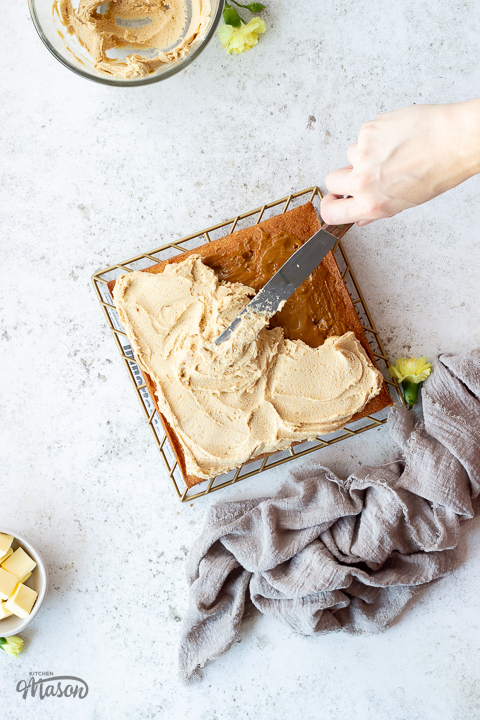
[90,175]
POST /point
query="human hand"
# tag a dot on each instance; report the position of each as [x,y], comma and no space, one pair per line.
[402,159]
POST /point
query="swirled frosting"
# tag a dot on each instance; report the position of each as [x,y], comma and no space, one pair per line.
[255,393]
[134,24]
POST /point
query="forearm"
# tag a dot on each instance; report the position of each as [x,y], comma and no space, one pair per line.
[467,117]
[402,159]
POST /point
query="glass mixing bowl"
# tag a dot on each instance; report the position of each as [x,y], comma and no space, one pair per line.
[71,53]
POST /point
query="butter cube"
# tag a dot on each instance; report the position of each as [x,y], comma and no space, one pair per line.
[19,564]
[7,584]
[21,601]
[7,555]
[4,613]
[5,542]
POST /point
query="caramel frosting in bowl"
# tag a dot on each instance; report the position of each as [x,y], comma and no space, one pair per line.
[256,393]
[163,28]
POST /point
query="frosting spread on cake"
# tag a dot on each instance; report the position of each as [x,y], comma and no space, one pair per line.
[256,393]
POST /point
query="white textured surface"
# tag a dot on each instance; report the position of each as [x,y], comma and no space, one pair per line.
[91,174]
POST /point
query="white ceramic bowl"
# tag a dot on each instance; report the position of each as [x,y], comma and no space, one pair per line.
[14,625]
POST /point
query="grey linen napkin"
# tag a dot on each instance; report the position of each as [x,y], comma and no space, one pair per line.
[326,553]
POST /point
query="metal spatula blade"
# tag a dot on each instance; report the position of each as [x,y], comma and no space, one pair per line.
[286,280]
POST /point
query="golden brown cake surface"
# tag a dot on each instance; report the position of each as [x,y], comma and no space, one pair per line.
[257,392]
[320,308]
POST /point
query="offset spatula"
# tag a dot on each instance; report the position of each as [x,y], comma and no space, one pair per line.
[286,280]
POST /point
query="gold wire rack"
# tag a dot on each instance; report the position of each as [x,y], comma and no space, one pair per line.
[139,262]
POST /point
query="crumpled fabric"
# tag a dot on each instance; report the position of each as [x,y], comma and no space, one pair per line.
[327,553]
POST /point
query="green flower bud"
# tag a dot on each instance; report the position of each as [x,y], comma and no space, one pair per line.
[410,392]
